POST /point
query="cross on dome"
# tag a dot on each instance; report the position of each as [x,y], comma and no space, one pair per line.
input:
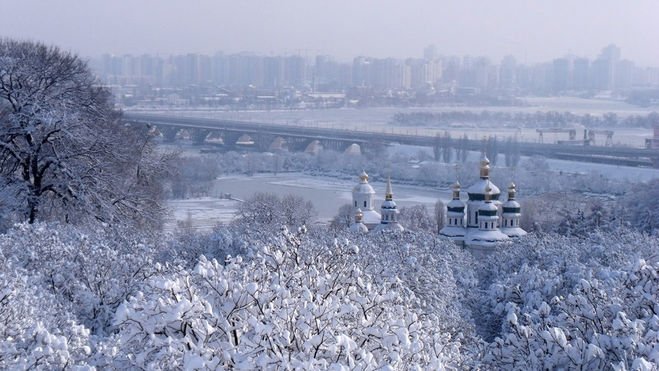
[363,176]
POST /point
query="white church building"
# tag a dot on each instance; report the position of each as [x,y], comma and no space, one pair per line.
[479,223]
[366,218]
[483,221]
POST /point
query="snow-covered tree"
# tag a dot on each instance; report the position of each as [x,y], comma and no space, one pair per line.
[435,269]
[189,244]
[593,327]
[64,153]
[268,210]
[291,306]
[640,206]
[36,331]
[440,215]
[343,218]
[417,218]
[583,303]
[89,272]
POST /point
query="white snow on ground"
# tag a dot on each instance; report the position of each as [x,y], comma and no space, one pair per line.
[200,213]
[615,172]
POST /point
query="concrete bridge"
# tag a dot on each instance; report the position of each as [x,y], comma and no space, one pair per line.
[263,136]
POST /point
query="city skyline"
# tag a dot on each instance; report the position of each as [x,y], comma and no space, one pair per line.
[533,32]
[422,54]
[609,71]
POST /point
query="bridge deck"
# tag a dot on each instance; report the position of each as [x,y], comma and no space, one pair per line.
[612,155]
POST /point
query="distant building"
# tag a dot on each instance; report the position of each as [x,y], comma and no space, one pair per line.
[604,68]
[430,52]
[581,74]
[561,75]
[508,73]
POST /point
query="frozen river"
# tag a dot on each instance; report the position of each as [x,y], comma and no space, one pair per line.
[327,194]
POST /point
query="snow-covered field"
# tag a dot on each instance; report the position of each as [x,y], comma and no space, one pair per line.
[615,172]
[199,213]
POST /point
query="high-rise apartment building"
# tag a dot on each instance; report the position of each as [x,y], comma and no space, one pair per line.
[561,75]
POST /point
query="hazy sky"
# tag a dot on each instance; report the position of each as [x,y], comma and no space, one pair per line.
[531,30]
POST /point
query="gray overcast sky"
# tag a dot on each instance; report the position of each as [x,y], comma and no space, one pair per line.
[531,30]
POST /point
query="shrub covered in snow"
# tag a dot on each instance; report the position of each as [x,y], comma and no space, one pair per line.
[324,299]
[288,307]
[575,303]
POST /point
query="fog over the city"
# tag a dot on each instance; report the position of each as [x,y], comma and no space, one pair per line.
[533,31]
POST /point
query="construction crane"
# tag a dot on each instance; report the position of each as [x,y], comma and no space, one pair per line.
[653,143]
[571,132]
[608,133]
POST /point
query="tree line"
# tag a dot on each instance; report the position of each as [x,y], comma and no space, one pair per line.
[539,119]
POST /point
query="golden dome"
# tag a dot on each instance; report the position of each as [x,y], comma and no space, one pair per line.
[359,215]
[456,190]
[488,192]
[485,167]
[512,189]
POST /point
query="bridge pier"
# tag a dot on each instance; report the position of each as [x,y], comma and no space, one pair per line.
[168,133]
[279,144]
[373,148]
[229,138]
[297,144]
[198,136]
[313,147]
[353,149]
[262,142]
